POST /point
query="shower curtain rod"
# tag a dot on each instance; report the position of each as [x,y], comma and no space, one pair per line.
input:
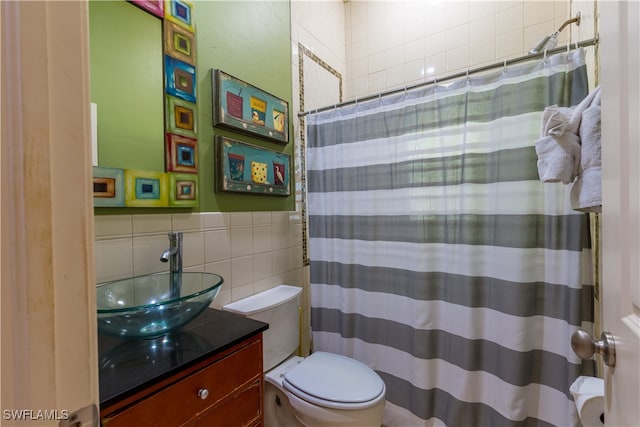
[584,43]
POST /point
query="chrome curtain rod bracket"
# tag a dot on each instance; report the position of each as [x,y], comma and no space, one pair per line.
[529,57]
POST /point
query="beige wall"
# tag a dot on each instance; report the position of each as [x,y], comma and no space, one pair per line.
[391,44]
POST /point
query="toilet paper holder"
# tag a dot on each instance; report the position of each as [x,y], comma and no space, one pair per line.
[585,346]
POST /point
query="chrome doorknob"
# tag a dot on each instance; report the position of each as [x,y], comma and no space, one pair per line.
[585,346]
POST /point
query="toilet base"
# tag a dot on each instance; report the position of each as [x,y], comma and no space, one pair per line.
[283,409]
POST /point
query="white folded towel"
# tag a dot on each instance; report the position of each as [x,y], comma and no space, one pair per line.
[558,148]
[586,193]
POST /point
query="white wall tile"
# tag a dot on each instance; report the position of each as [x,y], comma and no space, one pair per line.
[279,236]
[241,219]
[261,239]
[261,218]
[457,13]
[262,266]
[360,67]
[394,77]
[482,29]
[414,71]
[217,245]
[146,254]
[113,225]
[435,22]
[458,59]
[377,81]
[241,292]
[241,271]
[216,219]
[480,9]
[280,261]
[241,242]
[280,217]
[537,12]
[435,44]
[114,259]
[414,50]
[222,269]
[482,52]
[158,223]
[509,19]
[186,221]
[192,248]
[457,36]
[509,44]
[376,63]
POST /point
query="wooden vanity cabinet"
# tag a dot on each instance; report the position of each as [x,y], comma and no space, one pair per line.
[223,390]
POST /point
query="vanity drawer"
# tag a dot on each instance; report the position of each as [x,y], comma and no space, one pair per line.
[244,409]
[182,401]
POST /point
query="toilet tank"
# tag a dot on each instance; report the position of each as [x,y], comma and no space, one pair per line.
[279,308]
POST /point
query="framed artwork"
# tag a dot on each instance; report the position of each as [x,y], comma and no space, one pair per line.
[108,187]
[183,190]
[180,117]
[240,106]
[180,79]
[247,168]
[146,189]
[180,12]
[179,43]
[156,7]
[181,154]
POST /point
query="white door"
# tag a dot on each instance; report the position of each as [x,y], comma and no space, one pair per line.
[49,336]
[620,53]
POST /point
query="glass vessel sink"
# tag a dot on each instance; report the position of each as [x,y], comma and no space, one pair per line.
[152,305]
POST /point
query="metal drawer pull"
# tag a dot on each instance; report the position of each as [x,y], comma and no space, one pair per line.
[203,393]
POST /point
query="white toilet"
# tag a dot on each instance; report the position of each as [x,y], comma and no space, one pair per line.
[323,389]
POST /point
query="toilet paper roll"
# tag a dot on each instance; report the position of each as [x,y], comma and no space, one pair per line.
[588,394]
[590,410]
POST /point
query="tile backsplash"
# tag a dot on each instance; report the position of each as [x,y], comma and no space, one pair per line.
[252,251]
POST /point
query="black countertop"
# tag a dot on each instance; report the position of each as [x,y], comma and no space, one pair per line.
[127,366]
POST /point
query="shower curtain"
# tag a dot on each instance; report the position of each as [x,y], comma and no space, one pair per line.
[440,260]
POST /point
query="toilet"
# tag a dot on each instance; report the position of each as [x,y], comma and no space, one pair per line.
[323,389]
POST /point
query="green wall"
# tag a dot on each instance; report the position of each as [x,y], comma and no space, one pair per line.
[248,39]
[126,83]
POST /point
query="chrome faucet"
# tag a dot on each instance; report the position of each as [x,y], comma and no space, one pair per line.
[174,256]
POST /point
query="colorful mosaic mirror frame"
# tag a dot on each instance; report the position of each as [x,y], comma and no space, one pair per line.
[177,186]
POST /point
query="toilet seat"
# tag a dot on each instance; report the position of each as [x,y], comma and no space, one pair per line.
[334,381]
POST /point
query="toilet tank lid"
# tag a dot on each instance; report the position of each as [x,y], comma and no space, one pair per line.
[263,300]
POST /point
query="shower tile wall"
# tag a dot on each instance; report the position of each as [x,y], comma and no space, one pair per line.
[252,251]
[393,44]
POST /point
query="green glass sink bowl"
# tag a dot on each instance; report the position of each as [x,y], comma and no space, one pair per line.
[152,305]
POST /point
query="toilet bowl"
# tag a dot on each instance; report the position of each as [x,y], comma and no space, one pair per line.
[323,389]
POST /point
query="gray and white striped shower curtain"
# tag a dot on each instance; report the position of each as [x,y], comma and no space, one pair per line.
[440,260]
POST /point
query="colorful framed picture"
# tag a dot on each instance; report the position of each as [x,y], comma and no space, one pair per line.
[179,43]
[181,154]
[240,106]
[183,190]
[146,189]
[155,7]
[180,79]
[108,187]
[180,12]
[180,117]
[247,168]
